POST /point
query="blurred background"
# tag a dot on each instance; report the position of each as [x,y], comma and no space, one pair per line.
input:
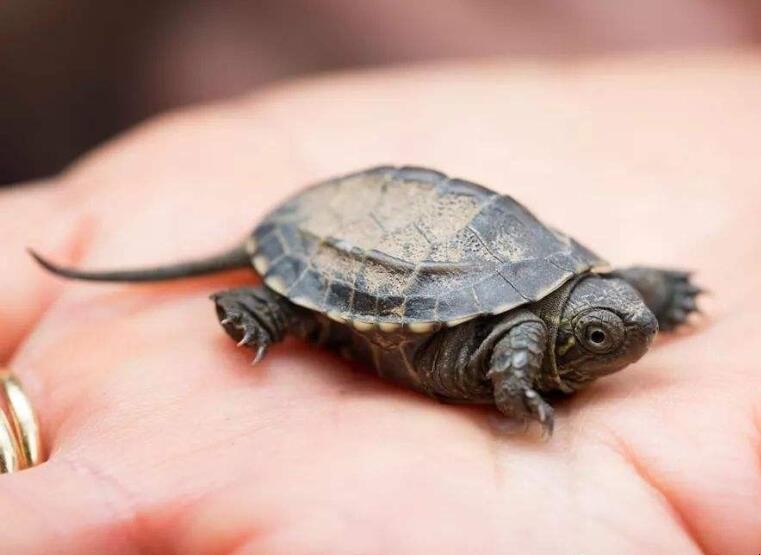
[73,73]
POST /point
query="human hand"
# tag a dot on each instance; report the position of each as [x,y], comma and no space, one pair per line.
[163,439]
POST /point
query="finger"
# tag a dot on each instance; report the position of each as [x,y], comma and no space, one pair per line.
[30,215]
[65,507]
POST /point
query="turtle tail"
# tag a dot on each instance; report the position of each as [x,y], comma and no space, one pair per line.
[230,260]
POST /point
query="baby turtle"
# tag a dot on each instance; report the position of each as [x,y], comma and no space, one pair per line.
[438,284]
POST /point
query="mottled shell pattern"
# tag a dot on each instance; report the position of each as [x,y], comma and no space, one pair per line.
[392,247]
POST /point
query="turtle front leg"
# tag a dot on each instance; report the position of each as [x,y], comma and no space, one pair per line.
[515,366]
[254,316]
[669,294]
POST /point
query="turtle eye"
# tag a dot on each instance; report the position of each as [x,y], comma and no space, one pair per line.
[600,331]
[597,337]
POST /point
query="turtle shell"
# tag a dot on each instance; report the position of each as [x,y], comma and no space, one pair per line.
[409,246]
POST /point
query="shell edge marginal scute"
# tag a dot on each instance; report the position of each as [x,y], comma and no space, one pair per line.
[457,321]
[305,302]
[336,316]
[277,284]
[389,326]
[421,327]
[261,264]
[250,246]
[361,325]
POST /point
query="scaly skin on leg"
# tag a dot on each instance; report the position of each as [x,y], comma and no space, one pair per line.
[668,293]
[516,363]
[254,316]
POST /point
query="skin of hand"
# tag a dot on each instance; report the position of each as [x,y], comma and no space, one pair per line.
[162,438]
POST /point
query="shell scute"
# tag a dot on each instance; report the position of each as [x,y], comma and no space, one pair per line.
[363,302]
[421,308]
[288,269]
[270,248]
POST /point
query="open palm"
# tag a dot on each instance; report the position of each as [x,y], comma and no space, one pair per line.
[163,439]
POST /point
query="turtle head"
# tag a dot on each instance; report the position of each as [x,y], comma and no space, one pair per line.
[604,326]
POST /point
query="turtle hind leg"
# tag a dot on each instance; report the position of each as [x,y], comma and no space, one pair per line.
[668,293]
[254,317]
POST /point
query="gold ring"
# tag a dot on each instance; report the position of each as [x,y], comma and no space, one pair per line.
[9,453]
[20,445]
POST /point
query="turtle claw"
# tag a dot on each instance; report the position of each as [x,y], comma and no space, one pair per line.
[246,339]
[526,407]
[260,352]
[693,290]
[541,412]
